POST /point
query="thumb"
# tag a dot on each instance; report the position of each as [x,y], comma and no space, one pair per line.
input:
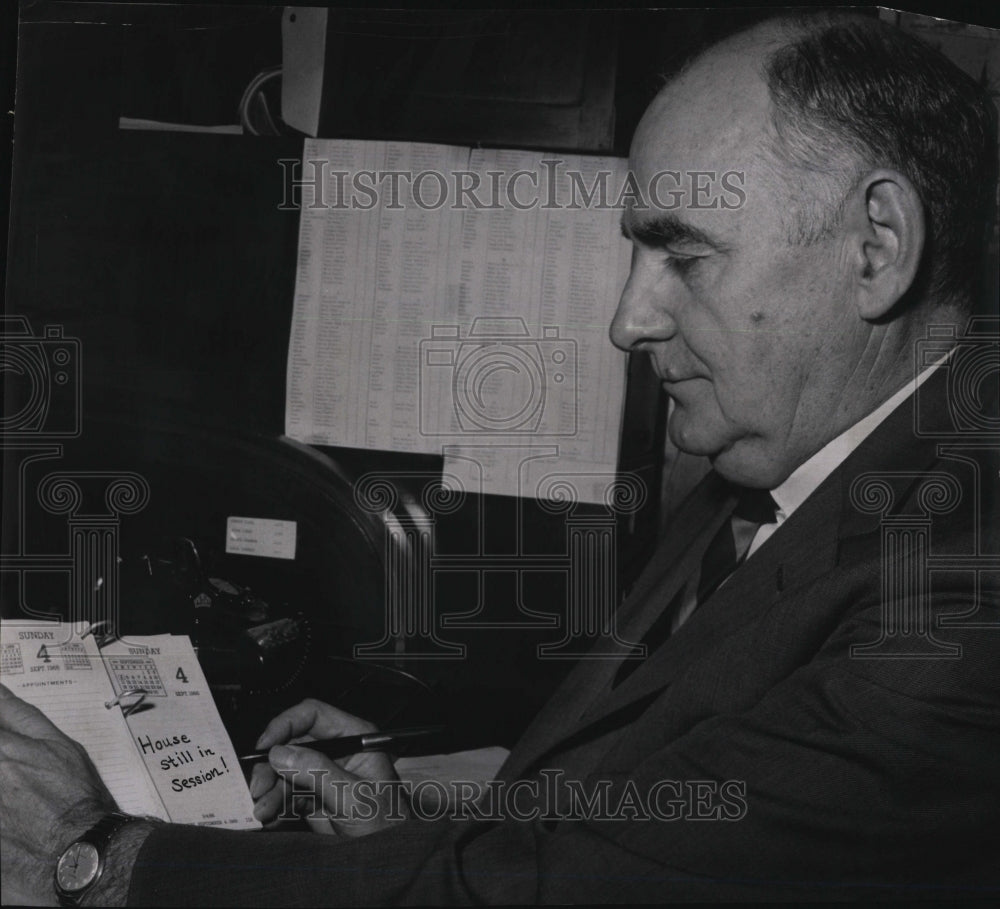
[23,718]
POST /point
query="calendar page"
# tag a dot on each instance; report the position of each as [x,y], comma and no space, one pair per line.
[178,733]
[58,668]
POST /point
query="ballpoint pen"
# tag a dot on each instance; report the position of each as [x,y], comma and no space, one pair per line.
[353,744]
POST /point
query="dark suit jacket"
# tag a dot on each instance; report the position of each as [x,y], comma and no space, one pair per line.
[853,775]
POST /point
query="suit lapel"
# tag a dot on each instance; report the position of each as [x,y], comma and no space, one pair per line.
[803,549]
[671,565]
[807,546]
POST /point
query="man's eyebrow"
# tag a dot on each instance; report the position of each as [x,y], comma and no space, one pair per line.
[667,230]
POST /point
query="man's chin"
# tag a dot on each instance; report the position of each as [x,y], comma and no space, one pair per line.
[685,435]
[742,465]
[737,460]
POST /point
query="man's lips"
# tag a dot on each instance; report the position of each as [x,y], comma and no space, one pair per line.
[671,375]
[671,378]
[682,388]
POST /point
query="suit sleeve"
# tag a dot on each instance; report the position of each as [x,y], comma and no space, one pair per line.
[855,778]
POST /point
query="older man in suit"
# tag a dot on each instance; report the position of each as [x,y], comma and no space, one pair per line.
[819,712]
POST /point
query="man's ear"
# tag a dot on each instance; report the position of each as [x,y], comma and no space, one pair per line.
[886,231]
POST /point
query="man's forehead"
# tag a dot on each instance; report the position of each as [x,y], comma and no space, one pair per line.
[713,115]
[696,155]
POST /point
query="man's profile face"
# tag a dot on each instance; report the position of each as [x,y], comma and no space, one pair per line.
[750,333]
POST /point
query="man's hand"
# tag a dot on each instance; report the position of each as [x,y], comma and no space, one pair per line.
[50,794]
[344,798]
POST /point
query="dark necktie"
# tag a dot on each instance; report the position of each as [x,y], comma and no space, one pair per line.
[729,546]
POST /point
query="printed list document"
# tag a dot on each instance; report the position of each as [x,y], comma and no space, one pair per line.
[475,330]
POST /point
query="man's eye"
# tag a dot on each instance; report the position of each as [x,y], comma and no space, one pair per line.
[680,264]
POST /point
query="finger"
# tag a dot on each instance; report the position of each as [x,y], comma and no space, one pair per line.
[281,804]
[295,721]
[17,747]
[21,717]
[310,809]
[321,825]
[295,769]
[262,778]
[271,804]
[308,770]
[311,718]
[41,752]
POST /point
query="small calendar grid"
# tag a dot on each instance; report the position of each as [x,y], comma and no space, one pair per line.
[74,656]
[137,672]
[11,661]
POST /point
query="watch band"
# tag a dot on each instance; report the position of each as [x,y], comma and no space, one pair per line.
[99,836]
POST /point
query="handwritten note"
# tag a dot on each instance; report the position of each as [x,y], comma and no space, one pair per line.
[178,734]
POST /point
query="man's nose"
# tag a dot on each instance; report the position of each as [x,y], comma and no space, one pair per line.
[643,312]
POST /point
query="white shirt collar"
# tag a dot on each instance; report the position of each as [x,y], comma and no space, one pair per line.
[801,483]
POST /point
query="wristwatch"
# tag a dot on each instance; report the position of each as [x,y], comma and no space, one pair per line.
[82,862]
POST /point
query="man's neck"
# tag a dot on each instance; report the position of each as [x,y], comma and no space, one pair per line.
[807,476]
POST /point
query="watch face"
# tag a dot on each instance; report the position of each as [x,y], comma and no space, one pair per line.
[77,866]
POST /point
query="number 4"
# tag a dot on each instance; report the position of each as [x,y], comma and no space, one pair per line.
[180,675]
